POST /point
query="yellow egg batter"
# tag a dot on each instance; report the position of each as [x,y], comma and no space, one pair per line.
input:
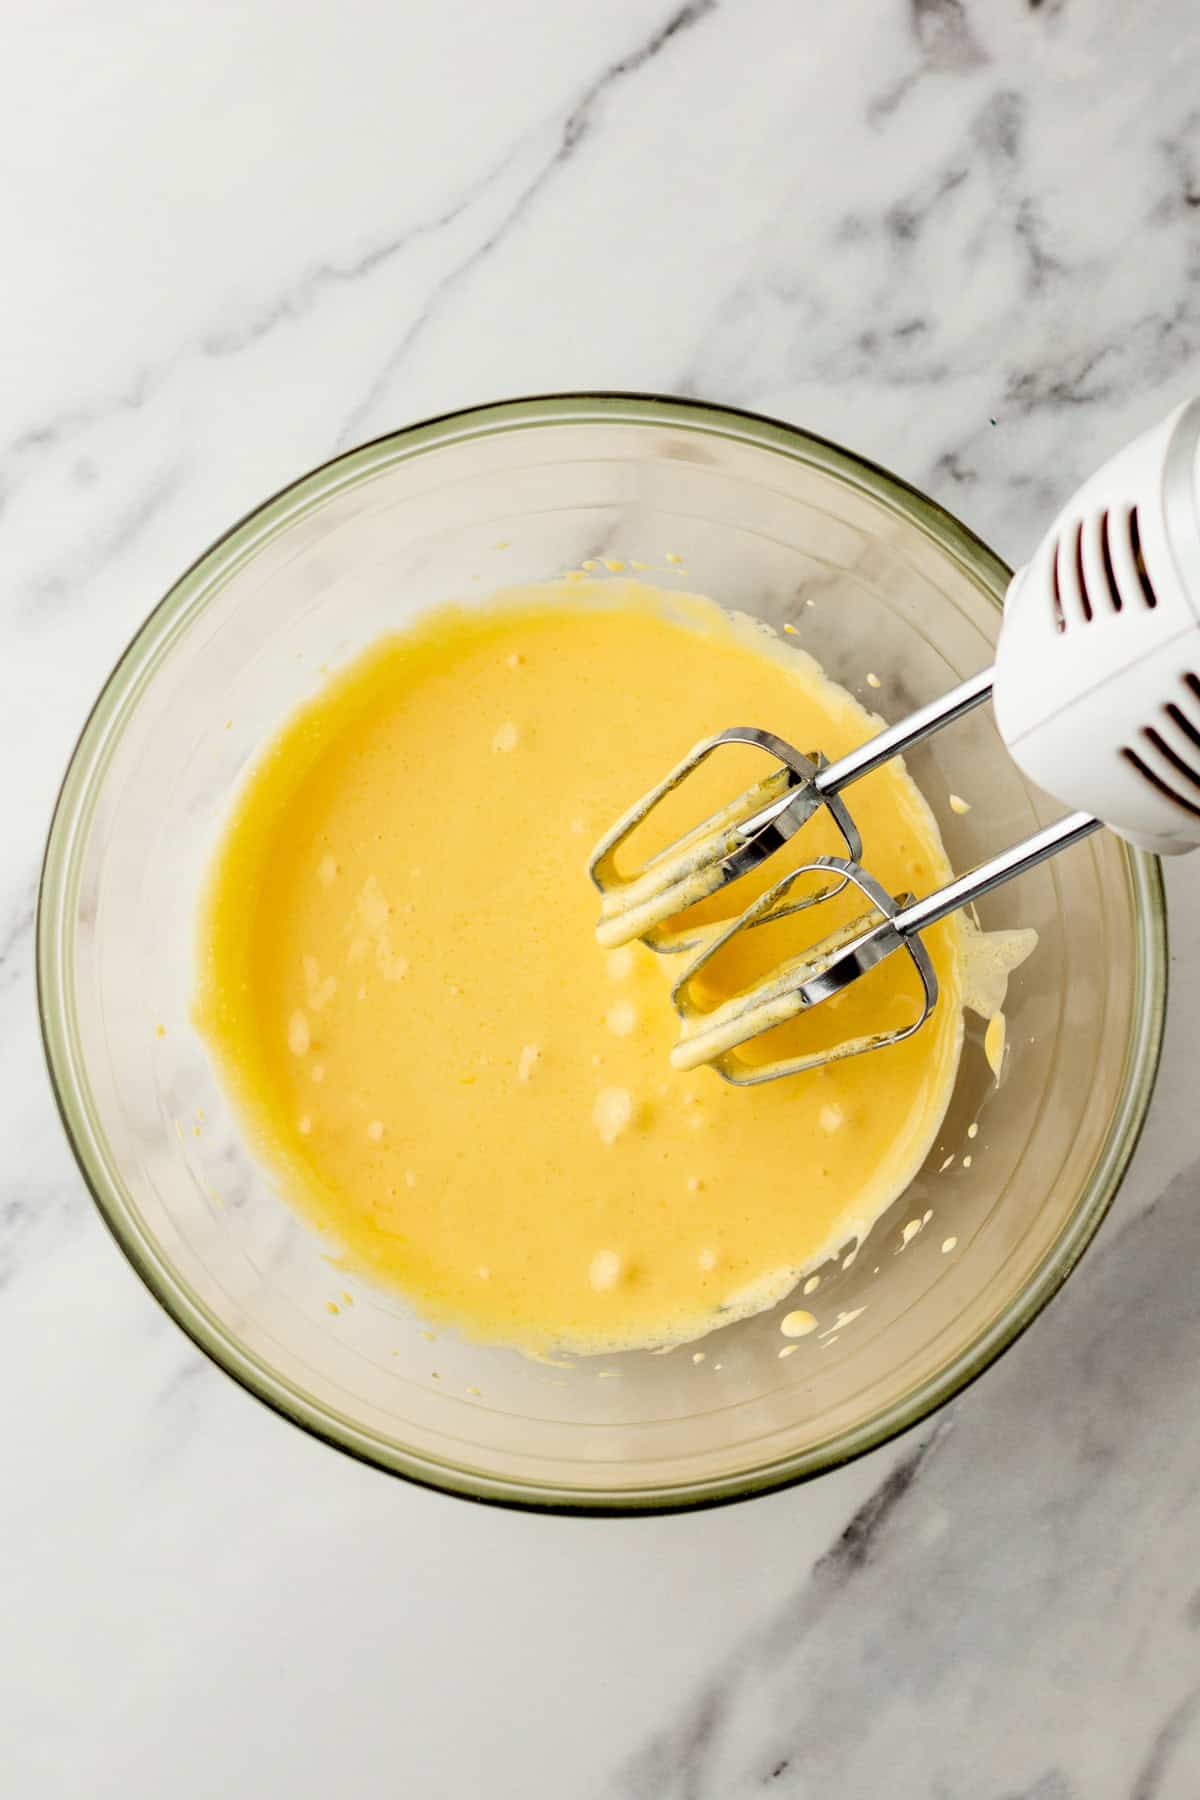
[399,980]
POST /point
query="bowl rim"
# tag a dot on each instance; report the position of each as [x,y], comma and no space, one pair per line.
[59,872]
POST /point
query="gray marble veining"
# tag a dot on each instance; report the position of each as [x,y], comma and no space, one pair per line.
[1015,1608]
[962,236]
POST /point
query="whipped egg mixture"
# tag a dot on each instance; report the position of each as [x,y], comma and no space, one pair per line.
[400,983]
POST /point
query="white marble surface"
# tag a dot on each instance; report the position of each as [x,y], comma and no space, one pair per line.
[961,235]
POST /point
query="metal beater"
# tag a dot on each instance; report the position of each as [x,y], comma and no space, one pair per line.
[1096,693]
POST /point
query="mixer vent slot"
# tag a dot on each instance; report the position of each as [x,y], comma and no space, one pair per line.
[1085,599]
[1123,581]
[1072,603]
[1060,623]
[1169,757]
[1110,574]
[1069,588]
[1179,718]
[1158,784]
[1181,764]
[1139,562]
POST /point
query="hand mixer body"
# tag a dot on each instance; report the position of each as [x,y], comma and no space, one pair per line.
[1097,676]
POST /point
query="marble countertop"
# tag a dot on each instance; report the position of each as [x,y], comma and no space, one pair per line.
[962,236]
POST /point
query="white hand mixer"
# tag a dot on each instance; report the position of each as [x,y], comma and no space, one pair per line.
[1096,693]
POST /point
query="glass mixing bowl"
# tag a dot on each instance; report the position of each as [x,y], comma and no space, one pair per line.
[766,520]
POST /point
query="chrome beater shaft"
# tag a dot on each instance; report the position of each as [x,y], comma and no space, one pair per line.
[714,1035]
[738,839]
